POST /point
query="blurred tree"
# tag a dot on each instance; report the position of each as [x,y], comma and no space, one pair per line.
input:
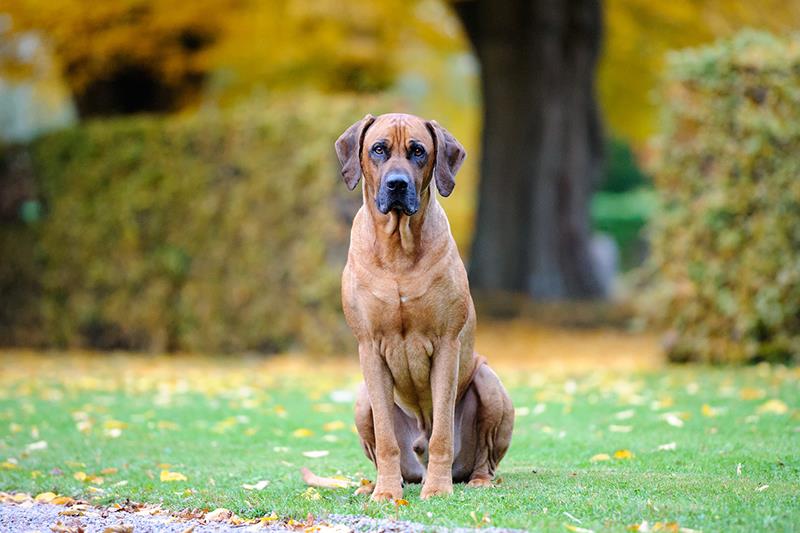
[542,145]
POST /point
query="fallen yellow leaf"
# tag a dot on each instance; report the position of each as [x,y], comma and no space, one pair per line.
[749,393]
[80,476]
[600,457]
[114,424]
[166,475]
[46,497]
[334,426]
[302,433]
[623,454]
[108,471]
[774,406]
[709,411]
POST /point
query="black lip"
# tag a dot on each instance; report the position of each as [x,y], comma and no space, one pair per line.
[396,205]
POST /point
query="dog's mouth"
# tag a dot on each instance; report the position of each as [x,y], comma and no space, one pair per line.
[406,207]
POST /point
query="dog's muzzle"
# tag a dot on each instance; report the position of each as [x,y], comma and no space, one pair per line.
[397,192]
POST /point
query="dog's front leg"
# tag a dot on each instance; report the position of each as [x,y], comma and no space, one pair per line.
[380,389]
[444,381]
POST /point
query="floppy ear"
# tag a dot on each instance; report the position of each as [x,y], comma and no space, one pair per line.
[348,150]
[449,156]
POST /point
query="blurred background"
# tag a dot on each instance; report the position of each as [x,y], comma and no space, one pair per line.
[168,181]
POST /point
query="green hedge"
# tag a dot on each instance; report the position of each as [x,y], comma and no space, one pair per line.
[218,232]
[726,244]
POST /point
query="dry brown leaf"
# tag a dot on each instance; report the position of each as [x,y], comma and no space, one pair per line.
[219,515]
[59,527]
[119,528]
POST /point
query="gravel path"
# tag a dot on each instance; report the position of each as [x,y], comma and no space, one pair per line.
[30,517]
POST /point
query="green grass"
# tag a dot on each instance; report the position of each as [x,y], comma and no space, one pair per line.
[228,422]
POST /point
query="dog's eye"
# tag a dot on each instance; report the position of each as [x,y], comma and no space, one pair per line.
[418,151]
[378,149]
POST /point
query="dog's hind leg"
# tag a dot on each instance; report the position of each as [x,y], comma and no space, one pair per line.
[493,424]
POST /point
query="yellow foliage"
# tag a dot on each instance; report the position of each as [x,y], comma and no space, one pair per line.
[242,44]
[640,32]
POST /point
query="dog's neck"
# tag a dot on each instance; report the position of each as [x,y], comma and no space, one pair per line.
[400,239]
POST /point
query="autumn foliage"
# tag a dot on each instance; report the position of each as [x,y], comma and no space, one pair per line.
[216,232]
[726,246]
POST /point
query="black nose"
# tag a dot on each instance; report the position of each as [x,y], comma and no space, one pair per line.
[397,182]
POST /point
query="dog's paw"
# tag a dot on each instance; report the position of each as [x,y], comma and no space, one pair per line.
[480,482]
[385,494]
[365,489]
[441,488]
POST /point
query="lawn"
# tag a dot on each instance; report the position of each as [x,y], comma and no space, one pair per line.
[601,442]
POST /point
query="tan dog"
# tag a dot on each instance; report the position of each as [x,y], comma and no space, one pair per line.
[430,409]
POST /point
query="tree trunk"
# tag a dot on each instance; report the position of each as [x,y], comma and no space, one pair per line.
[542,145]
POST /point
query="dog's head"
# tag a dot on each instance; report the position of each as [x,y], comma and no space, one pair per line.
[399,155]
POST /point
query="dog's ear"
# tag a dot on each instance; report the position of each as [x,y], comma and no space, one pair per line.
[348,150]
[449,156]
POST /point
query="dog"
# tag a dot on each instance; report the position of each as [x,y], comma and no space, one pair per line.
[430,410]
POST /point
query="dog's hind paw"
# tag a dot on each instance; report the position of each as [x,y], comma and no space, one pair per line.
[480,482]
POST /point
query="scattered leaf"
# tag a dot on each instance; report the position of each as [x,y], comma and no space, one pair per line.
[600,457]
[219,515]
[774,406]
[261,485]
[316,454]
[311,494]
[334,426]
[750,393]
[623,454]
[119,528]
[36,446]
[166,475]
[46,497]
[302,433]
[625,415]
[673,420]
